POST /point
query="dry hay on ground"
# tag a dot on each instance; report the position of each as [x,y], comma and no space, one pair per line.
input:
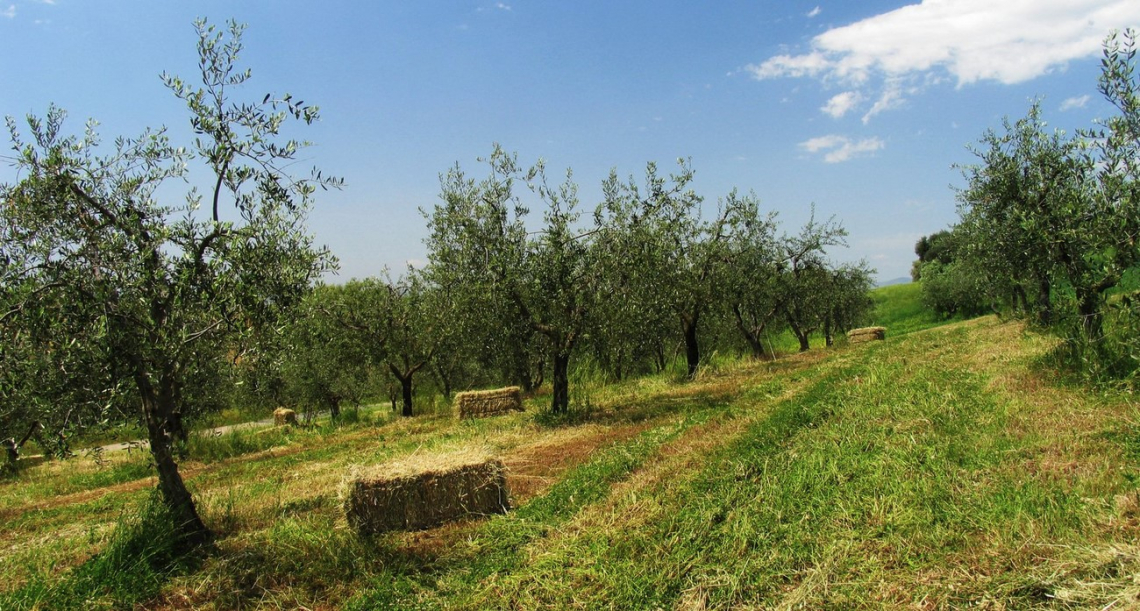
[479,403]
[283,416]
[424,491]
[867,334]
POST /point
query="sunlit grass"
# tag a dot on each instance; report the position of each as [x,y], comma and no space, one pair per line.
[938,469]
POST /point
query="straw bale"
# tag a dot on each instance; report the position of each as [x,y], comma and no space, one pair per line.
[283,416]
[867,334]
[480,403]
[427,491]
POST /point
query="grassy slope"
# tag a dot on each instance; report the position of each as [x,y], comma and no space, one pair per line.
[937,469]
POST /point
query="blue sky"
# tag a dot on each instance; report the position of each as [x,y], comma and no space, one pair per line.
[861,108]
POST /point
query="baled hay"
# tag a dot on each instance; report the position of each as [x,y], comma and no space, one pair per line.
[867,334]
[479,403]
[424,491]
[283,416]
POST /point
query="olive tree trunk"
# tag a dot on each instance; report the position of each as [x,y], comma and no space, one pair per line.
[159,406]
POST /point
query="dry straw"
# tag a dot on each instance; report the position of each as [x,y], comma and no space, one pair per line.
[283,416]
[480,403]
[867,334]
[426,490]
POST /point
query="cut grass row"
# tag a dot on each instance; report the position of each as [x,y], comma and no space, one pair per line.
[270,504]
[897,480]
[941,469]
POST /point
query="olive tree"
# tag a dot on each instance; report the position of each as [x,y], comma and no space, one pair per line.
[1064,209]
[754,293]
[1017,201]
[848,299]
[332,347]
[514,283]
[678,258]
[151,287]
[413,330]
[805,277]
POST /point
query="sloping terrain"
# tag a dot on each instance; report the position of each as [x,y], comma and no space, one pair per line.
[939,469]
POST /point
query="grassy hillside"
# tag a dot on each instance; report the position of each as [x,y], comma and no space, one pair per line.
[899,308]
[941,468]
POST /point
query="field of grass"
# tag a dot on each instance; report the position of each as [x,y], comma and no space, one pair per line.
[942,468]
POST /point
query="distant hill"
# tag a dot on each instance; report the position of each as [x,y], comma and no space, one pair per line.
[903,280]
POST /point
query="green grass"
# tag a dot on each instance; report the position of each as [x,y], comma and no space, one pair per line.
[899,308]
[941,468]
[141,555]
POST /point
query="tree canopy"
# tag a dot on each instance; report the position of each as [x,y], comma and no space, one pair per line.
[131,297]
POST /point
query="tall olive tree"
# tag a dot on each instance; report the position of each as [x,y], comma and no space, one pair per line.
[1023,191]
[847,295]
[1064,209]
[754,292]
[155,287]
[334,345]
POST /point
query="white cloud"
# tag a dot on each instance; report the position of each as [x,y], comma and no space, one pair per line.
[10,12]
[1075,102]
[842,103]
[836,148]
[811,64]
[502,7]
[814,12]
[890,98]
[1008,42]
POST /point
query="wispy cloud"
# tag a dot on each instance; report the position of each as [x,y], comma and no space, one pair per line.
[836,148]
[1075,102]
[10,12]
[814,12]
[842,103]
[890,98]
[1007,42]
[502,7]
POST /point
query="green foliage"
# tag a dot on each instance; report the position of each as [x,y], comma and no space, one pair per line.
[335,345]
[147,297]
[506,283]
[814,296]
[953,289]
[941,246]
[1049,221]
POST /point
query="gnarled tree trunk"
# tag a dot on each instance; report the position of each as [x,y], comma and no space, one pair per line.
[159,409]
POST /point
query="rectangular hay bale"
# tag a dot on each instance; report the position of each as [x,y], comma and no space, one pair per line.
[867,334]
[480,403]
[427,491]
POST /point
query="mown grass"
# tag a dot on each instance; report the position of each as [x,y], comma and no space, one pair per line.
[139,558]
[938,469]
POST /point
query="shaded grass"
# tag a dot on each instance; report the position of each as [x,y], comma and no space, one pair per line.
[142,554]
